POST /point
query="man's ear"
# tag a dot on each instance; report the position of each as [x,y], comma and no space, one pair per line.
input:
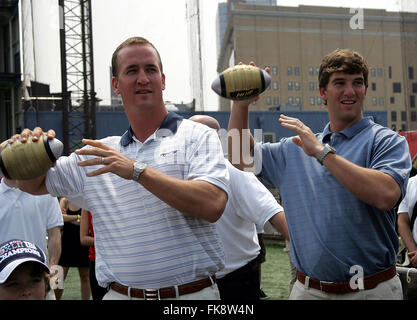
[115,85]
[323,93]
[163,81]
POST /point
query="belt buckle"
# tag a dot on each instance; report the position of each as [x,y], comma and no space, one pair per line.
[322,283]
[151,294]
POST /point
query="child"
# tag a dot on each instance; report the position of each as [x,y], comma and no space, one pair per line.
[24,272]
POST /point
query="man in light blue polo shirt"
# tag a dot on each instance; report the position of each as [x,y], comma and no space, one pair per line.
[339,188]
[154,193]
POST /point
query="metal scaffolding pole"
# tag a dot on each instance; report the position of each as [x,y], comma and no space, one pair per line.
[77,72]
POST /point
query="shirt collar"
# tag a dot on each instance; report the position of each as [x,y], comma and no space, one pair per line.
[170,124]
[4,187]
[351,131]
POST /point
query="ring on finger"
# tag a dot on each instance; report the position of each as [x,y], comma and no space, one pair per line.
[102,160]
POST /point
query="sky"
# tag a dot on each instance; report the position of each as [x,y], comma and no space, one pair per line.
[164,23]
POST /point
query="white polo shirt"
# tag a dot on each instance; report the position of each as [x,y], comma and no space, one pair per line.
[141,241]
[408,203]
[249,207]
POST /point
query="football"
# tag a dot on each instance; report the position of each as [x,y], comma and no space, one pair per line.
[241,82]
[24,161]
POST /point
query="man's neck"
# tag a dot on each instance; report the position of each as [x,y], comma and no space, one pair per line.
[144,124]
[338,126]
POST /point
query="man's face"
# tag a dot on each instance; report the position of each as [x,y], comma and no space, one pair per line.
[344,94]
[139,80]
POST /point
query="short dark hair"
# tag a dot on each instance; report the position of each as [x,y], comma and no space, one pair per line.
[342,60]
[130,42]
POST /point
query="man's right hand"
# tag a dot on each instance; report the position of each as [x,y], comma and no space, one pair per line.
[34,186]
[34,134]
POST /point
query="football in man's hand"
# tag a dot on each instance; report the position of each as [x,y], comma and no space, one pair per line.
[29,160]
[241,82]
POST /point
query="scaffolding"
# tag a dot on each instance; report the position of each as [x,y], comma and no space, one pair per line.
[77,70]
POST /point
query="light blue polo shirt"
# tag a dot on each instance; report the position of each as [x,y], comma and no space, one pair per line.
[331,230]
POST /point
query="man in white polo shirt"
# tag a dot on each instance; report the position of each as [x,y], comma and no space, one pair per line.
[154,192]
[249,207]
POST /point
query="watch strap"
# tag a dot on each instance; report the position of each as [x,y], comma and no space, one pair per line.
[138,168]
[326,150]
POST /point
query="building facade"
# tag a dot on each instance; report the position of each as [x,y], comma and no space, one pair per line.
[223,13]
[10,72]
[293,40]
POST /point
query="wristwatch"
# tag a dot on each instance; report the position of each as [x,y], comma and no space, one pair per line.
[327,149]
[138,168]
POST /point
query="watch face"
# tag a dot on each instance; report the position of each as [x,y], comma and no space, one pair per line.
[138,168]
[141,166]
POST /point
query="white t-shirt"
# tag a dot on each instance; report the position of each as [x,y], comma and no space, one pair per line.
[250,205]
[409,201]
[27,217]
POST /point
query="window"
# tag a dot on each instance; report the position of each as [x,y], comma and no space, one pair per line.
[412,101]
[297,85]
[374,101]
[268,100]
[396,87]
[390,72]
[403,115]
[311,86]
[297,100]
[317,70]
[414,87]
[410,73]
[289,85]
[381,101]
[289,71]
[373,72]
[290,100]
[275,85]
[373,85]
[312,101]
[413,116]
[392,100]
[319,101]
[276,101]
[296,71]
[311,71]
[393,115]
[380,72]
[274,70]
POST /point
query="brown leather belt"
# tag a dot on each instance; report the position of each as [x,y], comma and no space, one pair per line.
[369,282]
[164,293]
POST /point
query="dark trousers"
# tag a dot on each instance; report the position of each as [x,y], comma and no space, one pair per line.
[97,291]
[242,284]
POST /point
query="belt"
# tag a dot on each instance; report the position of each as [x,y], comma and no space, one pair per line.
[369,282]
[164,293]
